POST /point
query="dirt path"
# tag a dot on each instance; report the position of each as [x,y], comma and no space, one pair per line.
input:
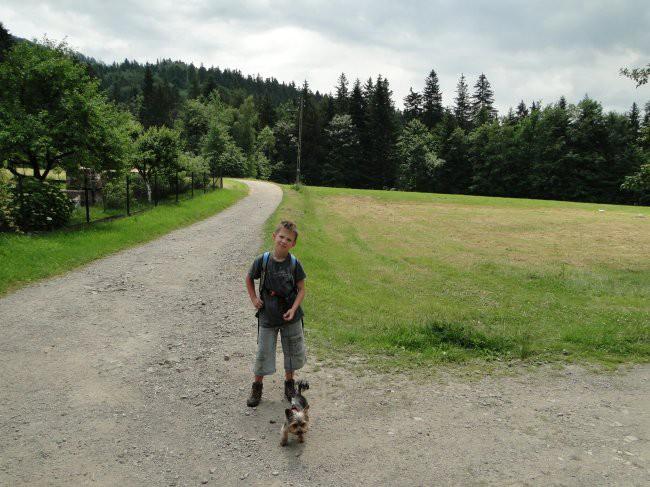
[134,370]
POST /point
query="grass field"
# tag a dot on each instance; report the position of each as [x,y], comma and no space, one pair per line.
[412,278]
[27,258]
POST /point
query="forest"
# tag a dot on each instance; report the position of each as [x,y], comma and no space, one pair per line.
[160,116]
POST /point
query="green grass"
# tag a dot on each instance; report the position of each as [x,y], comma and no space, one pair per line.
[28,258]
[411,279]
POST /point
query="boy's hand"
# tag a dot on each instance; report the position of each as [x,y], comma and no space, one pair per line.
[257,302]
[288,316]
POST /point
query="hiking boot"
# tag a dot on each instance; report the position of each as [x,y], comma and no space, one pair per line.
[289,389]
[256,395]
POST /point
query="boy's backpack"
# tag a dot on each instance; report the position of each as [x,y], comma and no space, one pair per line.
[265,263]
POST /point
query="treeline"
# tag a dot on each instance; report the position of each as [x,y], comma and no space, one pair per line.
[231,124]
[356,137]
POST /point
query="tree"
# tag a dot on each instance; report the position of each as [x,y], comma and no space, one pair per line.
[432,101]
[522,110]
[340,166]
[639,75]
[157,152]
[264,146]
[193,123]
[243,127]
[52,114]
[462,108]
[455,175]
[417,158]
[342,101]
[147,108]
[412,105]
[382,133]
[6,41]
[483,110]
[635,118]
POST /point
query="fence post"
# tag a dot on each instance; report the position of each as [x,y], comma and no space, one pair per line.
[86,197]
[128,196]
[92,189]
[192,184]
[176,186]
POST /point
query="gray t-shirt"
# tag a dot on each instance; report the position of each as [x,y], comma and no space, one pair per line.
[279,280]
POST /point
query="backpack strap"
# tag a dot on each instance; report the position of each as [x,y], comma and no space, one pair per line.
[292,267]
[265,263]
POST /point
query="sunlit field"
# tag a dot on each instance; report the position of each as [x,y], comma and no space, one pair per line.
[411,278]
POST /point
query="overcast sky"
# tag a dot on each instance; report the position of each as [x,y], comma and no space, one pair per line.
[531,50]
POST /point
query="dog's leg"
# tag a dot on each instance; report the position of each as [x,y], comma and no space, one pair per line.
[284,435]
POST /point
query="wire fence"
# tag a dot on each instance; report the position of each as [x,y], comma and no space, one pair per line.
[104,196]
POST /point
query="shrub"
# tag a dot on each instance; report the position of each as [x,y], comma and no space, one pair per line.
[39,205]
[114,193]
[7,221]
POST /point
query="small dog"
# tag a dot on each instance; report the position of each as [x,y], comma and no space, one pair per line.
[297,422]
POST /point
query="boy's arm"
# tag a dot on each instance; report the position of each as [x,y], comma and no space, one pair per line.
[250,287]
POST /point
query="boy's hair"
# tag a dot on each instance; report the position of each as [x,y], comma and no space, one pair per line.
[289,225]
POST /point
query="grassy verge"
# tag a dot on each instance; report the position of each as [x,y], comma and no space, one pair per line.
[27,258]
[410,279]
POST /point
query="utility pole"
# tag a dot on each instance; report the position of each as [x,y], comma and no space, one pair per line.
[299,142]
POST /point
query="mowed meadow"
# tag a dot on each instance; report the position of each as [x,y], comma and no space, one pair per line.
[414,278]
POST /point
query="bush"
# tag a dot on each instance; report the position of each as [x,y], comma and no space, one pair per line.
[114,193]
[40,205]
[7,221]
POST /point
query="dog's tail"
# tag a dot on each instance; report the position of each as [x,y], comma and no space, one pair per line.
[303,385]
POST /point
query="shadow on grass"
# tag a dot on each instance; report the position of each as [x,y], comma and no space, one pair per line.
[437,333]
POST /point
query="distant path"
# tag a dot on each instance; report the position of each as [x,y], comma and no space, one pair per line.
[134,370]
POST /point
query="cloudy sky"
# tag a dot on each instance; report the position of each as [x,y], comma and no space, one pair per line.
[531,50]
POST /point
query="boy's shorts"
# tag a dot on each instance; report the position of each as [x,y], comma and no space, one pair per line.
[293,348]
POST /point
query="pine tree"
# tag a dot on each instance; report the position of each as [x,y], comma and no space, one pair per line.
[195,88]
[6,41]
[635,119]
[431,101]
[462,108]
[382,132]
[147,109]
[343,151]
[312,147]
[483,110]
[412,105]
[342,103]
[562,103]
[646,114]
[522,110]
[267,112]
[358,115]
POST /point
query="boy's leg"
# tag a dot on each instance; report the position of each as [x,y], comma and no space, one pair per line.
[293,347]
[264,362]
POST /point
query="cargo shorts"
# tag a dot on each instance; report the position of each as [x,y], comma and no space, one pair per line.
[293,348]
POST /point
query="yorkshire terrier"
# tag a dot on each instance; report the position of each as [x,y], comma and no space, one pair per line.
[297,422]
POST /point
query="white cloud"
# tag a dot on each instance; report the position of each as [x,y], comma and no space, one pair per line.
[528,50]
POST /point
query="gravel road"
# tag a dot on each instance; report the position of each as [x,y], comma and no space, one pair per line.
[134,370]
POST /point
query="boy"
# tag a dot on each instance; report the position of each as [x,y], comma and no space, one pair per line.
[278,309]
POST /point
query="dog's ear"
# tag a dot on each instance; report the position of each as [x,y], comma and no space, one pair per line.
[288,414]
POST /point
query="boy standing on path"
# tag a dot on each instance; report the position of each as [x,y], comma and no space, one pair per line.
[282,289]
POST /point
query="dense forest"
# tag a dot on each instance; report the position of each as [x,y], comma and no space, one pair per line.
[357,137]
